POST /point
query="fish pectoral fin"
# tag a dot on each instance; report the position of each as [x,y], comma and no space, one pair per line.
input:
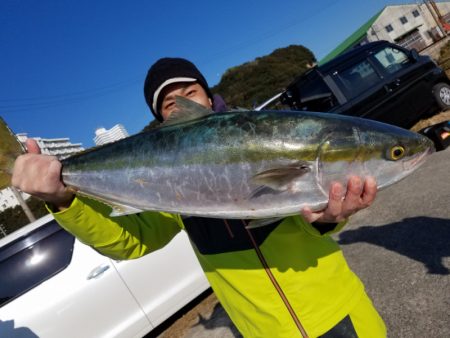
[279,179]
[121,210]
[258,223]
[187,110]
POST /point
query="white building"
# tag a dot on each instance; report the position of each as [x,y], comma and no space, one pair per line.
[103,136]
[8,199]
[59,147]
[416,25]
[412,26]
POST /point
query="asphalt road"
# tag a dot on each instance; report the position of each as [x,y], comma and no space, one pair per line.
[400,248]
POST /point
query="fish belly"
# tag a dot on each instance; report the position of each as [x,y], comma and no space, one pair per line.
[210,191]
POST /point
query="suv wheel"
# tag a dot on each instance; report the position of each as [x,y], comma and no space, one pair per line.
[441,92]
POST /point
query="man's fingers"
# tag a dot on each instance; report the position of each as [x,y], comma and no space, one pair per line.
[334,207]
[311,216]
[54,174]
[358,195]
[370,191]
[354,192]
[32,146]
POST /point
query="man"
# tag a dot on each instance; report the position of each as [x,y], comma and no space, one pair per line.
[286,279]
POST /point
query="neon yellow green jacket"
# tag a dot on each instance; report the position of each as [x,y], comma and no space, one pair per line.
[273,281]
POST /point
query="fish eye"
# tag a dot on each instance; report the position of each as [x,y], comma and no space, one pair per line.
[396,153]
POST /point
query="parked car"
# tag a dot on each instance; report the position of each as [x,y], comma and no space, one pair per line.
[53,286]
[379,81]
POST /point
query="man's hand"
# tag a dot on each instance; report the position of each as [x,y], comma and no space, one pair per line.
[342,204]
[40,176]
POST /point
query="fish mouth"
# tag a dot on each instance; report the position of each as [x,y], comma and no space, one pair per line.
[408,167]
[417,160]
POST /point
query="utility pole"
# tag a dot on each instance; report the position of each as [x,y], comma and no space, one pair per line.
[435,16]
[23,204]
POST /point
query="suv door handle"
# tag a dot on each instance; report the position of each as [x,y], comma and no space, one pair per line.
[98,271]
[389,87]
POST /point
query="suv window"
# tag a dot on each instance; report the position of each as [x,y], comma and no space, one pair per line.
[30,260]
[377,80]
[358,78]
[313,94]
[392,59]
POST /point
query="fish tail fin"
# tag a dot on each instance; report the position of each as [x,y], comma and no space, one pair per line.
[10,148]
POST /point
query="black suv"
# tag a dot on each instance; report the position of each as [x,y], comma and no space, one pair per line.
[379,81]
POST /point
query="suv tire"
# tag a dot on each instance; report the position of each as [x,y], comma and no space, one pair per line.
[441,92]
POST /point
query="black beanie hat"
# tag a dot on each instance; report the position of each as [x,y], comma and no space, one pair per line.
[166,71]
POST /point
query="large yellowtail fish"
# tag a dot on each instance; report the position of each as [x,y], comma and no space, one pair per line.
[242,164]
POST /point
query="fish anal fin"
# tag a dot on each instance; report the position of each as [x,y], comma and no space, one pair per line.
[118,209]
[262,222]
[121,210]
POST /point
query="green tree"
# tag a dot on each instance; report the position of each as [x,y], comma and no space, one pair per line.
[254,82]
[444,59]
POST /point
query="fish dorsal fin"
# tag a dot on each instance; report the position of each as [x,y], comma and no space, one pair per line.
[187,110]
[239,109]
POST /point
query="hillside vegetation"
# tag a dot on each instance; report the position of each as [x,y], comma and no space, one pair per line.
[256,81]
[444,58]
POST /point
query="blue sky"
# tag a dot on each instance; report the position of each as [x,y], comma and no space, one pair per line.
[69,67]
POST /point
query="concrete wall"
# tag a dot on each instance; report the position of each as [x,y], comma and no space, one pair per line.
[434,49]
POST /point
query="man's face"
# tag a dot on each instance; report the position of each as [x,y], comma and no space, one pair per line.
[190,90]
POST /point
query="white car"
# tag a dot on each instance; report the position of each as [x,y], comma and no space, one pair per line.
[53,286]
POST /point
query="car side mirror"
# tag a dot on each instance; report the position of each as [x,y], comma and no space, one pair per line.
[414,55]
[287,98]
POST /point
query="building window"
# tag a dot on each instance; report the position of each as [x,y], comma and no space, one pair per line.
[403,20]
[415,13]
[389,28]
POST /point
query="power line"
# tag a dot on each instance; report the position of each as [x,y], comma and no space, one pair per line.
[35,103]
[270,33]
[44,102]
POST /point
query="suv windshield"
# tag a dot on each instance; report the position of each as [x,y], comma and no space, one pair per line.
[311,94]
